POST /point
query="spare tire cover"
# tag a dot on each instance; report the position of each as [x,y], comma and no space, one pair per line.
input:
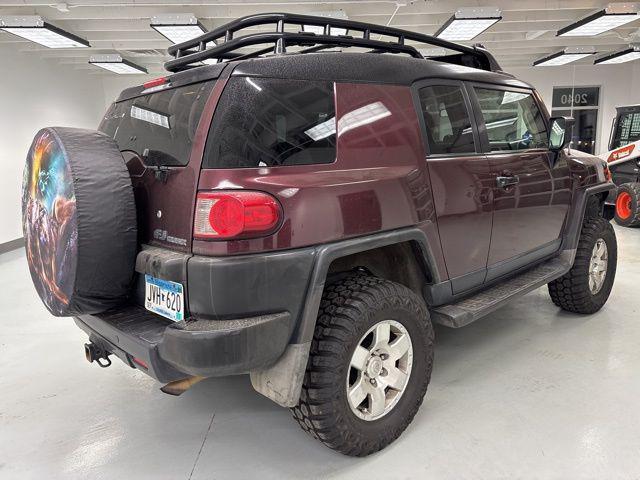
[79,221]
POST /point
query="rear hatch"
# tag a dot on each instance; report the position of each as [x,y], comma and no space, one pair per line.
[161,133]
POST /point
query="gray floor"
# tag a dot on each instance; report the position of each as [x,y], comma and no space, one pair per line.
[529,393]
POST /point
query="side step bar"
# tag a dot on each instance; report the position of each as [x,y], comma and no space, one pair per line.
[472,308]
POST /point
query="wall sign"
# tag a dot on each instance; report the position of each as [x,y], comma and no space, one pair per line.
[568,97]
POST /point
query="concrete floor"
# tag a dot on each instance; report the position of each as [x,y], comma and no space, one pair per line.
[530,392]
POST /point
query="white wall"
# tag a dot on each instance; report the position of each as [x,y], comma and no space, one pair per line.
[36,93]
[618,86]
[114,84]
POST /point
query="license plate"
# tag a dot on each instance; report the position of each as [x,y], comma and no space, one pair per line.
[164,297]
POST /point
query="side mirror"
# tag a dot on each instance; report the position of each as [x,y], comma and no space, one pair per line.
[560,133]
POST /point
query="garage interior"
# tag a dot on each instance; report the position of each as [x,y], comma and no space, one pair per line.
[528,392]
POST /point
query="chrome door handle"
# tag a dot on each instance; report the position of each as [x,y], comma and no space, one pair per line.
[504,182]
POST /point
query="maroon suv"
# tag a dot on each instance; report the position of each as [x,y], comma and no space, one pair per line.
[305,214]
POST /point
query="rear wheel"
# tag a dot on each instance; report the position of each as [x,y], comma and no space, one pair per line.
[369,365]
[628,205]
[586,287]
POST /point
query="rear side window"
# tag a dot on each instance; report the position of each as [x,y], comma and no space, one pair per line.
[627,131]
[161,126]
[264,122]
[446,119]
[513,120]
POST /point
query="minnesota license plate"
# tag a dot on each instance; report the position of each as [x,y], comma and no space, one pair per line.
[164,297]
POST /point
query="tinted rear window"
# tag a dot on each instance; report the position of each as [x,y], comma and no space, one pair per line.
[262,122]
[162,124]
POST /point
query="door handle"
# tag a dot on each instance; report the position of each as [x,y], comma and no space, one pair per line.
[504,182]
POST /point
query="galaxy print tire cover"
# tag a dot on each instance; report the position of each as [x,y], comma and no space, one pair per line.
[79,221]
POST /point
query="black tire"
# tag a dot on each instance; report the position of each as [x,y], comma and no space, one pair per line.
[628,205]
[571,292]
[79,221]
[349,308]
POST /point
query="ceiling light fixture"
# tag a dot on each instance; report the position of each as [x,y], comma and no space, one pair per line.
[468,23]
[116,64]
[179,27]
[613,16]
[36,29]
[568,55]
[621,56]
[319,30]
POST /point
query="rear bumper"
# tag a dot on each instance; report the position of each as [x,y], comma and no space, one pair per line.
[169,351]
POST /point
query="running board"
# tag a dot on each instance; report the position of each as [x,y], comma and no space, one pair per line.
[472,308]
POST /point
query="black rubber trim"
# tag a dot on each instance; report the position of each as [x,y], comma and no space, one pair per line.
[177,350]
[226,347]
[575,217]
[330,252]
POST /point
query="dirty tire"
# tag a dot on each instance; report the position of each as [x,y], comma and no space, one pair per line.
[628,205]
[79,221]
[348,309]
[571,292]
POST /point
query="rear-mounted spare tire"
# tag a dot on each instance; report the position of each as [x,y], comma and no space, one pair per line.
[79,221]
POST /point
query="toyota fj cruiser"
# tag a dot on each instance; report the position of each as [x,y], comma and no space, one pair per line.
[303,215]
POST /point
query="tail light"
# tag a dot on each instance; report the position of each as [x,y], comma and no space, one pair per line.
[235,214]
[156,82]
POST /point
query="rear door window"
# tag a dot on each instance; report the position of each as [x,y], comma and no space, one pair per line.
[160,126]
[446,119]
[266,122]
[627,130]
[513,120]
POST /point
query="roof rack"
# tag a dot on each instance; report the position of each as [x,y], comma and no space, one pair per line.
[226,45]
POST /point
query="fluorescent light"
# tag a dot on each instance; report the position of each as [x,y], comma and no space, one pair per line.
[117,64]
[362,116]
[177,28]
[36,29]
[568,55]
[433,52]
[621,56]
[614,16]
[319,29]
[510,97]
[322,130]
[468,23]
[149,116]
[254,84]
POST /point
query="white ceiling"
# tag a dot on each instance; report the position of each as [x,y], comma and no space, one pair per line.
[525,33]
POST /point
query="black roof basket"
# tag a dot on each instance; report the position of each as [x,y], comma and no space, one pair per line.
[226,45]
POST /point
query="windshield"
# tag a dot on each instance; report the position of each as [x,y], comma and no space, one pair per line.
[627,130]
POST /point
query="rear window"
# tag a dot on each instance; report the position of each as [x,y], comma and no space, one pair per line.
[161,126]
[264,122]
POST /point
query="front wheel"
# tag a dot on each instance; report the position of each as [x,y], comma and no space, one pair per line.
[586,287]
[628,205]
[369,366]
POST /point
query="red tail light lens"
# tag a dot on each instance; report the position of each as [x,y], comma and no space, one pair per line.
[235,214]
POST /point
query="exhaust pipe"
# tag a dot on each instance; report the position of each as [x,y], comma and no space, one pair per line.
[178,387]
[94,353]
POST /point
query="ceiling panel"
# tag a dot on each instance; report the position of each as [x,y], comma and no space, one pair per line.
[525,33]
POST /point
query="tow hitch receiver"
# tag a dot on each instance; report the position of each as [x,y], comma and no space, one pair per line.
[94,353]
